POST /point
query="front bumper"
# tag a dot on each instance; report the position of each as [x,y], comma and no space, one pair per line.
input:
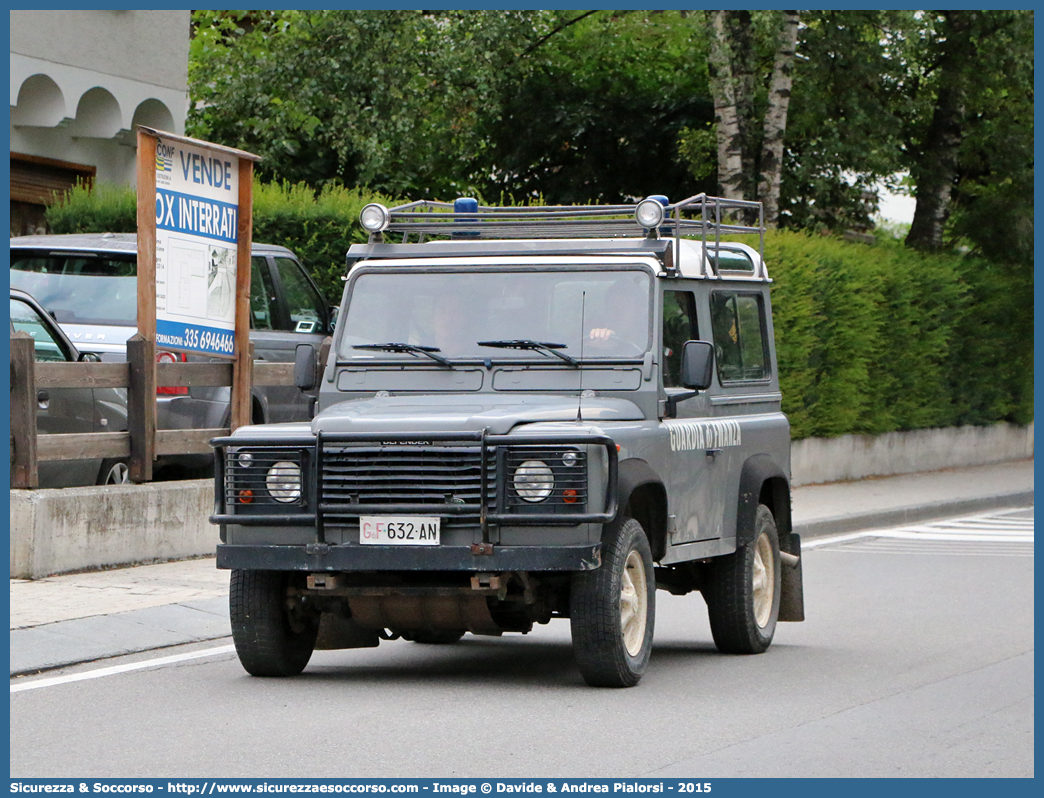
[316,557]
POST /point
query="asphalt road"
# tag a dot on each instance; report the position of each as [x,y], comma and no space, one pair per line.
[916,660]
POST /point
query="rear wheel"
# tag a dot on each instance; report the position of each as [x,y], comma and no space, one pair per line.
[113,472]
[272,636]
[612,610]
[743,591]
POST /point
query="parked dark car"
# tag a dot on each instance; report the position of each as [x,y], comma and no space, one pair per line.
[88,282]
[69,410]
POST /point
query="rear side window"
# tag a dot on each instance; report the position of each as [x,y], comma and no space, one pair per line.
[738,321]
[306,307]
[262,296]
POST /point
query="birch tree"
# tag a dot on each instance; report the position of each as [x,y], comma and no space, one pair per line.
[750,150]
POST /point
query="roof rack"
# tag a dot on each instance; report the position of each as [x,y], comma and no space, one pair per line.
[701,216]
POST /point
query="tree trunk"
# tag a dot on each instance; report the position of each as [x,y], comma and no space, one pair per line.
[936,169]
[776,119]
[723,89]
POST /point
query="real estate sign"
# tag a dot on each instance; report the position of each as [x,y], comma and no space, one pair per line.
[197,215]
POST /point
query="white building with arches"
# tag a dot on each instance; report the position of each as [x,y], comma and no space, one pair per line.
[81,82]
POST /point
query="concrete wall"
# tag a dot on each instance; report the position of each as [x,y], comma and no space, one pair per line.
[817,460]
[73,529]
[56,531]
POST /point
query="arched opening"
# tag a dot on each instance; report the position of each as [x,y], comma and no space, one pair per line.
[152,113]
[40,103]
[97,115]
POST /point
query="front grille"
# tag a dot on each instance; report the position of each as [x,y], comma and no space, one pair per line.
[435,475]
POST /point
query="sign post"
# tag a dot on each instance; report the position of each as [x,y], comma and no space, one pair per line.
[195,224]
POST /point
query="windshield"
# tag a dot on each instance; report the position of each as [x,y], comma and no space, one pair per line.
[79,288]
[455,311]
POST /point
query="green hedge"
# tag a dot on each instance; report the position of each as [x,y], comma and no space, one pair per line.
[873,339]
[870,339]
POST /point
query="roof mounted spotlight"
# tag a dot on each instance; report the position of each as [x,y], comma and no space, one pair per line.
[650,212]
[374,217]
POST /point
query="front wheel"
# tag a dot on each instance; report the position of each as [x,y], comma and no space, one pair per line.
[612,610]
[743,591]
[272,637]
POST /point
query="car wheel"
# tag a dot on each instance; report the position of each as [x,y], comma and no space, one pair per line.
[612,610]
[743,591]
[271,637]
[114,472]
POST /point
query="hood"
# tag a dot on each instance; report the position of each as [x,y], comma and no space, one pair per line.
[497,413]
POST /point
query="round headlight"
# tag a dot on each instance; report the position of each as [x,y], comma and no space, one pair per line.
[374,217]
[246,459]
[284,481]
[534,481]
[649,213]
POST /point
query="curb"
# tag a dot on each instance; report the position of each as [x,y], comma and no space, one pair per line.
[850,522]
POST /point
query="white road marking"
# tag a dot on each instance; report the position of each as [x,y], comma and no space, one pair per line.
[998,527]
[18,687]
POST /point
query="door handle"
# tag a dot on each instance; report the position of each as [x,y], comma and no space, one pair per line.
[713,452]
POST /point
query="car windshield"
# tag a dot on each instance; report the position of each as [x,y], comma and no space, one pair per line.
[499,314]
[79,288]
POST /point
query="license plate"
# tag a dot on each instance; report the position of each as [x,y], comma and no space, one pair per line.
[399,530]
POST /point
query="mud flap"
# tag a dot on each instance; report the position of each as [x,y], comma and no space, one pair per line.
[792,592]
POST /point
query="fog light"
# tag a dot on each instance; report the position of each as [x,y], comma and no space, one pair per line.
[246,459]
[284,481]
[534,481]
[570,459]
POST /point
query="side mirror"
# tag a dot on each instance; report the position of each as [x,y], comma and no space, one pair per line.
[304,367]
[334,311]
[697,366]
[89,357]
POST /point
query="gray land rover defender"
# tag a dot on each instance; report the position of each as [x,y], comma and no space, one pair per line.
[526,414]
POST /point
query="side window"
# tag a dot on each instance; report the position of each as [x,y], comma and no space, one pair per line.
[307,309]
[679,326]
[46,347]
[739,338]
[262,296]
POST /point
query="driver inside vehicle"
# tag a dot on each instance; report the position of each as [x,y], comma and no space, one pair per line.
[621,327]
[452,324]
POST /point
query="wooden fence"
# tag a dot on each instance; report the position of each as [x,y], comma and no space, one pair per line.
[140,375]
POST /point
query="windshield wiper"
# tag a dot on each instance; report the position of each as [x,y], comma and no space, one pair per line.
[543,347]
[410,349]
